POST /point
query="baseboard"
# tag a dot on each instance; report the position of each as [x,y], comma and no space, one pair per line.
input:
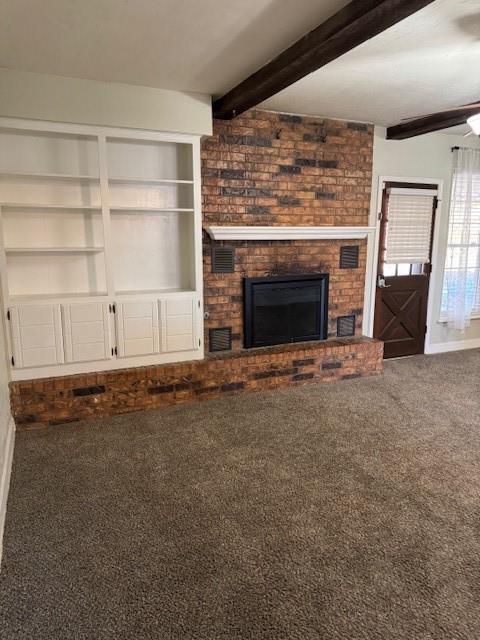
[458,345]
[5,471]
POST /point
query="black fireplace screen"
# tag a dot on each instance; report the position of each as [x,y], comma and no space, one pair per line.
[285,309]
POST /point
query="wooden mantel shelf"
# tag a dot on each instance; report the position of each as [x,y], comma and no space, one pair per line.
[288,233]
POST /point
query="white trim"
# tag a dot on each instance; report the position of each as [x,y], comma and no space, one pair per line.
[288,233]
[457,345]
[95,130]
[96,366]
[5,473]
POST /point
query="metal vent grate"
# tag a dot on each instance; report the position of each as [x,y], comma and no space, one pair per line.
[223,259]
[345,326]
[220,339]
[349,257]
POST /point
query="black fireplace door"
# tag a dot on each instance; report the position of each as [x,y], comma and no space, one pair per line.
[280,310]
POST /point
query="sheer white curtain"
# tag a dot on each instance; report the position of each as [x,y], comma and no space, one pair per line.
[461,291]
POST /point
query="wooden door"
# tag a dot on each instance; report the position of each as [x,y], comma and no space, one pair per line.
[178,320]
[402,286]
[36,335]
[137,328]
[86,331]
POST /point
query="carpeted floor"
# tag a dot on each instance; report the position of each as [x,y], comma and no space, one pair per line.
[323,512]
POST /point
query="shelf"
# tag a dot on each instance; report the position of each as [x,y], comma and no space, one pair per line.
[287,233]
[63,207]
[11,250]
[149,181]
[151,209]
[156,292]
[17,299]
[49,176]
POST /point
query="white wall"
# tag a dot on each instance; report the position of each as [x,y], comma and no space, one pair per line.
[427,156]
[38,96]
[6,435]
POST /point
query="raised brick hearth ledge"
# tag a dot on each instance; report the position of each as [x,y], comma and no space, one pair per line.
[53,401]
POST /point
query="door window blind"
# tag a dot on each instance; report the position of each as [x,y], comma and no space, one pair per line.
[409,228]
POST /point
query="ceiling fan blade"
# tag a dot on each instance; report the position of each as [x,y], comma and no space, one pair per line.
[475,106]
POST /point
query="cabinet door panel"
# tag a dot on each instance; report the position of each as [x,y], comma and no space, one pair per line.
[137,328]
[178,321]
[36,332]
[86,332]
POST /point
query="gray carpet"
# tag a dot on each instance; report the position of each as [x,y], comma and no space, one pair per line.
[321,512]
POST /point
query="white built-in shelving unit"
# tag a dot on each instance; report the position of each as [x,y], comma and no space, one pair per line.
[100,240]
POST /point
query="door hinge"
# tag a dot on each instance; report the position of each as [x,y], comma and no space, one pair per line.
[111,308]
[425,330]
[116,351]
[8,314]
[199,304]
[13,361]
[114,308]
[380,214]
[112,351]
[199,342]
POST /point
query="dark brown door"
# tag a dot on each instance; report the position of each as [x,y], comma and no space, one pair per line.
[402,286]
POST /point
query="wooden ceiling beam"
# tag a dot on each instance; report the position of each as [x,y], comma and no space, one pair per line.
[357,22]
[430,123]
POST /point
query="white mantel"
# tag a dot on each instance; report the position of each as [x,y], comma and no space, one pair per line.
[287,233]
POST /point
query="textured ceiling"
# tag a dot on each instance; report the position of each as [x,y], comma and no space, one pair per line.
[427,62]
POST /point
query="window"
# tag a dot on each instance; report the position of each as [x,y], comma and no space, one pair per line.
[461,285]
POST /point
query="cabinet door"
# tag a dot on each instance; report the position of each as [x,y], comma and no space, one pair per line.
[137,328]
[36,332]
[86,331]
[178,324]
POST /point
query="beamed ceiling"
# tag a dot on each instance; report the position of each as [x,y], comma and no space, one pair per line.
[425,63]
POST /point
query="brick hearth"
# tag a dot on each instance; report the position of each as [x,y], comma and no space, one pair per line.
[54,401]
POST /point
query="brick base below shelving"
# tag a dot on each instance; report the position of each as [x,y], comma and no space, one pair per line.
[52,401]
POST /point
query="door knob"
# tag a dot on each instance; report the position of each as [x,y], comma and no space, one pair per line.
[381,283]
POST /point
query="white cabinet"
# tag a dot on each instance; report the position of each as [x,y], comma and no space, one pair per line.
[178,324]
[86,331]
[36,335]
[100,247]
[137,328]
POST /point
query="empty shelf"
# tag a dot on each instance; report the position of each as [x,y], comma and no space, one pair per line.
[49,176]
[9,250]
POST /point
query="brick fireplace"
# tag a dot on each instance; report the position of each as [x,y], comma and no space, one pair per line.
[263,170]
[268,169]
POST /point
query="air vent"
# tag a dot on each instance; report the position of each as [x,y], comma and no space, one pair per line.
[223,259]
[349,257]
[345,326]
[220,339]
[89,391]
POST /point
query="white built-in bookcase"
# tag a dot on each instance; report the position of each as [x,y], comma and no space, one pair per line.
[101,260]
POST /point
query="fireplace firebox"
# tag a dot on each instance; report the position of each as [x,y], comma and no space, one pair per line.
[283,309]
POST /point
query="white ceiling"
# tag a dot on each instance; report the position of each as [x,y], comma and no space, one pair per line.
[427,62]
[206,46]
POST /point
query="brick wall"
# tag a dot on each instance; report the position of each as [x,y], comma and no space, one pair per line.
[266,169]
[52,401]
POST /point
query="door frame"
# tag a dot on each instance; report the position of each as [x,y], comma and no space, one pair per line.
[372,252]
